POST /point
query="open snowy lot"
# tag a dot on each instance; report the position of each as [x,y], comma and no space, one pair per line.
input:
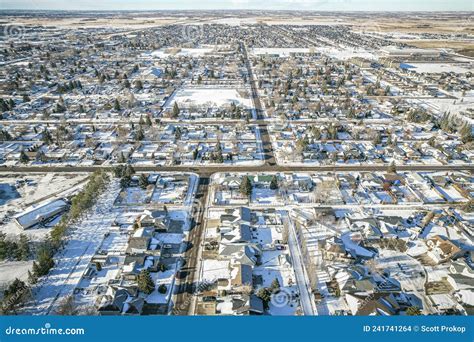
[19,192]
[276,265]
[9,270]
[438,68]
[133,196]
[215,96]
[177,52]
[265,196]
[281,52]
[85,238]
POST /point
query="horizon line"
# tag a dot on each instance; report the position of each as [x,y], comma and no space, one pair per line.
[233,10]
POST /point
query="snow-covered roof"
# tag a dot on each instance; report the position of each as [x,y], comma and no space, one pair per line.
[40,213]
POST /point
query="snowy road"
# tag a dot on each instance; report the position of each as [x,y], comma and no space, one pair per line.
[306,297]
[73,260]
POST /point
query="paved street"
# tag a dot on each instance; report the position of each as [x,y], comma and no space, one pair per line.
[188,276]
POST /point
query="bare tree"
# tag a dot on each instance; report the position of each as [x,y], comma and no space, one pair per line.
[67,307]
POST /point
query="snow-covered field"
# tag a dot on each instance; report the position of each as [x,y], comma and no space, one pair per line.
[281,52]
[195,52]
[70,263]
[338,53]
[213,96]
[215,269]
[265,196]
[437,68]
[162,278]
[442,105]
[169,195]
[133,196]
[347,53]
[9,270]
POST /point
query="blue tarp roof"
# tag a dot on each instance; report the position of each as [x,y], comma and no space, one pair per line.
[406,66]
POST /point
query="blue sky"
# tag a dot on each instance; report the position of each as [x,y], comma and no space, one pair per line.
[322,5]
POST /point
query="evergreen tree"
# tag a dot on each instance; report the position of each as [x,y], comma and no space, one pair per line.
[47,138]
[4,105]
[32,279]
[12,250]
[392,168]
[175,111]
[129,170]
[466,133]
[119,170]
[145,283]
[125,181]
[218,154]
[5,136]
[44,262]
[121,158]
[377,139]
[23,248]
[3,246]
[301,145]
[138,85]
[274,183]
[275,284]
[143,181]
[24,158]
[246,186]
[14,296]
[139,135]
[177,133]
[117,105]
[265,295]
[413,311]
[162,289]
[40,156]
[148,121]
